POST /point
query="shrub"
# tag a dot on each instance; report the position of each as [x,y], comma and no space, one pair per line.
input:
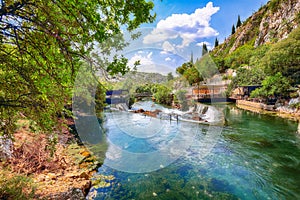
[16,187]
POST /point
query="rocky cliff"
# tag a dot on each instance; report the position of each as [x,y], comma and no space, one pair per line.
[271,23]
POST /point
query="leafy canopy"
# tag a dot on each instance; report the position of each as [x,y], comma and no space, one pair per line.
[273,86]
[43,44]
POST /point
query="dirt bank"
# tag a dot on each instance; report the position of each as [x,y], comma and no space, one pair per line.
[61,174]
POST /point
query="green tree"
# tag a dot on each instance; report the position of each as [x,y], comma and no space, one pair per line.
[216,42]
[244,76]
[241,56]
[43,44]
[273,86]
[192,75]
[239,23]
[163,94]
[204,49]
[192,58]
[180,70]
[170,76]
[182,100]
[206,67]
[284,57]
[233,30]
[145,88]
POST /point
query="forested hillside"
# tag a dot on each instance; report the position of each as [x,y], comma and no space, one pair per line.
[265,49]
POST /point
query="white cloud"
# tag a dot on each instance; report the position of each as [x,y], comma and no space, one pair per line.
[168,59]
[188,27]
[144,60]
[168,47]
[164,52]
[149,55]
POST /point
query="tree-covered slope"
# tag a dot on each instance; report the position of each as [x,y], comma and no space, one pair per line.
[264,47]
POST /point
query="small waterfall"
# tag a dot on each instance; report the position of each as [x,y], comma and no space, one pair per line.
[197,113]
[120,106]
[208,113]
[212,114]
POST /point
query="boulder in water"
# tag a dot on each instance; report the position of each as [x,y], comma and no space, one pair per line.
[139,111]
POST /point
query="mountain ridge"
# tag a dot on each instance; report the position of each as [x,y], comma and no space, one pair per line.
[270,24]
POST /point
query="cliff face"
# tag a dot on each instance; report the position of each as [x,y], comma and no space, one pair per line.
[271,23]
[278,22]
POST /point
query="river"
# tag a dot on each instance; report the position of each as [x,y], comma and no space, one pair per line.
[253,156]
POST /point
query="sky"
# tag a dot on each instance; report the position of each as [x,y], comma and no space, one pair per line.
[180,29]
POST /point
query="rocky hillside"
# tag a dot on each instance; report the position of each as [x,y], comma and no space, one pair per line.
[270,24]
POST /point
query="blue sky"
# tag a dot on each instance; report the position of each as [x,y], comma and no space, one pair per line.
[182,26]
[222,20]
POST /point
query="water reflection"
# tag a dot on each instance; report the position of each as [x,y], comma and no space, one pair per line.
[255,157]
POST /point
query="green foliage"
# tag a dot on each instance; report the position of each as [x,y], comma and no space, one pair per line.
[89,91]
[258,53]
[216,42]
[192,75]
[252,76]
[43,45]
[16,187]
[220,63]
[147,88]
[284,57]
[180,96]
[118,65]
[170,76]
[273,86]
[264,60]
[132,80]
[204,49]
[241,56]
[298,17]
[274,4]
[295,105]
[180,70]
[239,23]
[162,94]
[100,98]
[192,58]
[233,30]
[206,67]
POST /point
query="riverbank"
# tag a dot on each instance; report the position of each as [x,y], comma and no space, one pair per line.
[64,175]
[267,109]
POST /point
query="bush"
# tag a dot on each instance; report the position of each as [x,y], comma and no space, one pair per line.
[163,95]
[16,187]
[182,100]
[295,105]
[276,85]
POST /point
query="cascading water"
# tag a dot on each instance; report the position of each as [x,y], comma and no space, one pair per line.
[120,106]
[197,113]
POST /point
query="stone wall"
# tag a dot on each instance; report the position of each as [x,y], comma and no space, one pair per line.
[253,106]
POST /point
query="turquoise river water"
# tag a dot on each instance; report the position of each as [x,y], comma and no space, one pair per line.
[253,156]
